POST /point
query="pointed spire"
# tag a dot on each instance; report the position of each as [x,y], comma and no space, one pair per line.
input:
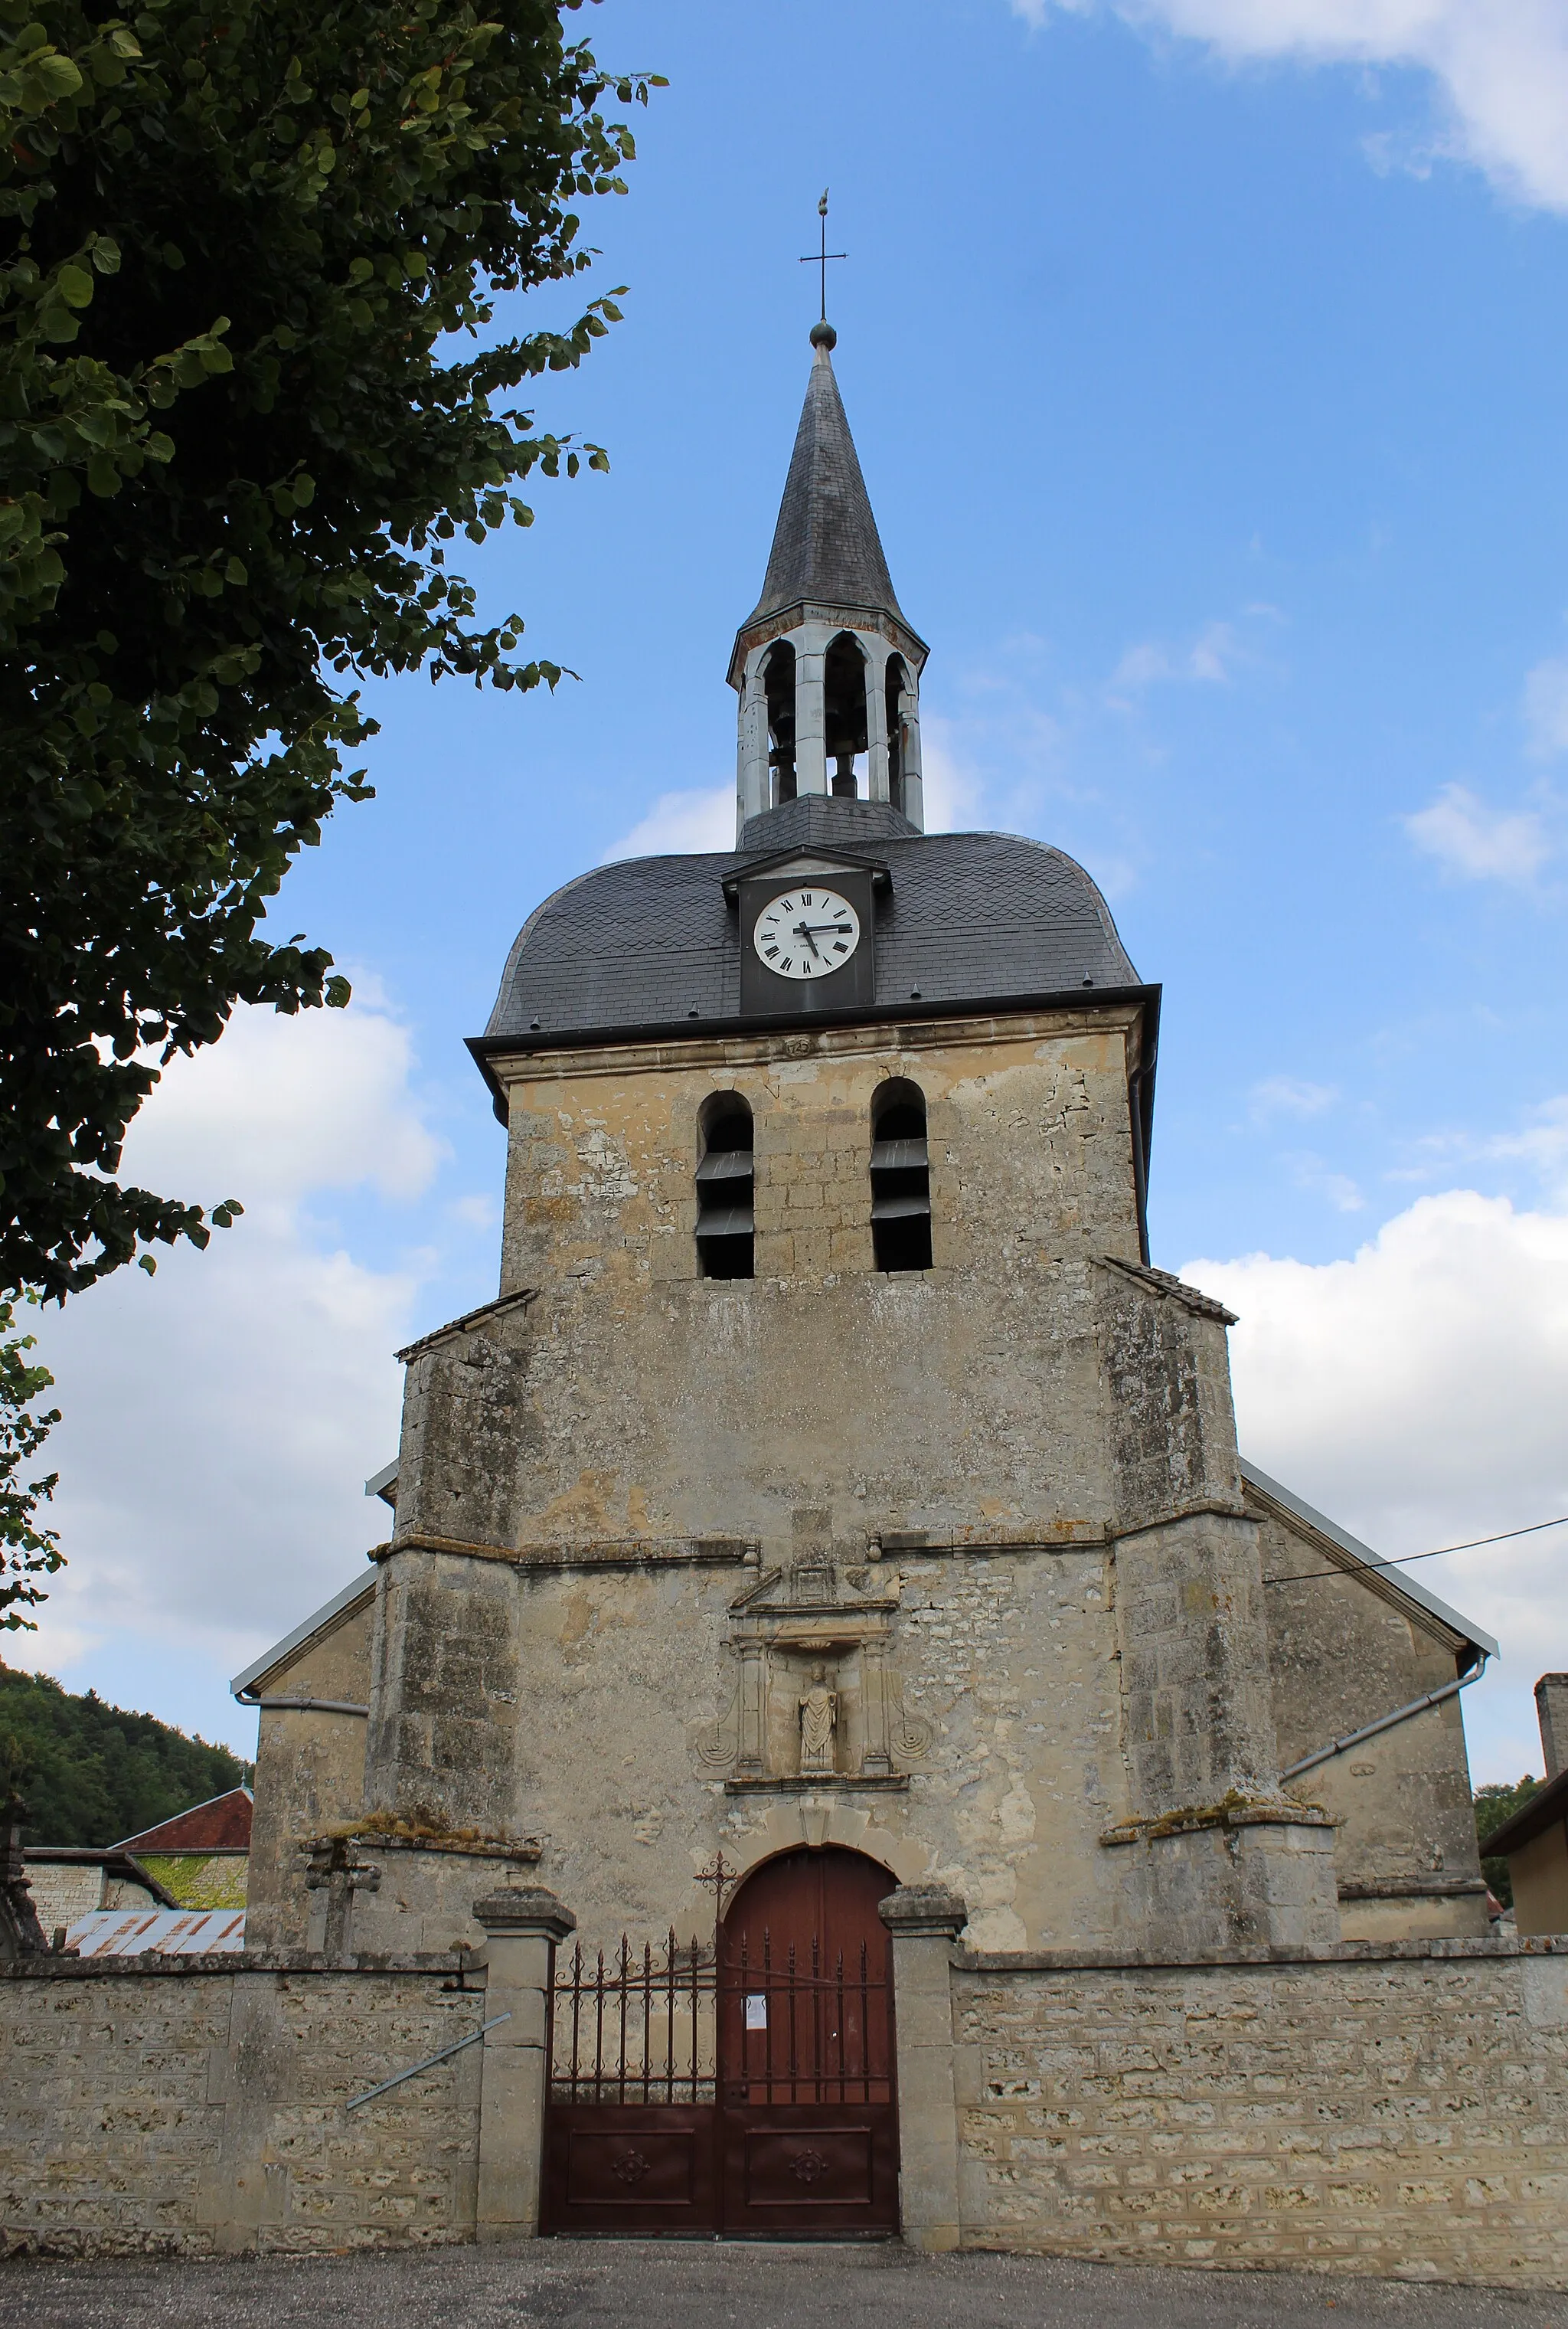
[825,546]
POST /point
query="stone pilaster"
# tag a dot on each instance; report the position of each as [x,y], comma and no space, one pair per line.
[876,784]
[441,1732]
[752,786]
[811,710]
[521,1929]
[1195,1663]
[924,1921]
[1223,1857]
[914,781]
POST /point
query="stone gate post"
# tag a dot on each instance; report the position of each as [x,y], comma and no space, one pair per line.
[924,1921]
[522,1927]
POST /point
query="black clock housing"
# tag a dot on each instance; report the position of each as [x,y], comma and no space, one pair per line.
[762,990]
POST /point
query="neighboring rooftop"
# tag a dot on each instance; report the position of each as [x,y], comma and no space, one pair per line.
[222,1823]
[1354,1557]
[1547,1807]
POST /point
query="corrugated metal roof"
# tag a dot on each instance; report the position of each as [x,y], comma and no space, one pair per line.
[170,1932]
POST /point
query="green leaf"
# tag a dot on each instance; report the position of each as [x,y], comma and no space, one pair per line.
[55,75]
[194,754]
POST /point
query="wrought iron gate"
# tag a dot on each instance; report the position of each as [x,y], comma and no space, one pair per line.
[736,2088]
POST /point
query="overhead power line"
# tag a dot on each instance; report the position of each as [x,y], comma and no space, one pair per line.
[1404,1561]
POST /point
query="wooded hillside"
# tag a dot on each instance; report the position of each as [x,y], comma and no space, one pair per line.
[90,1773]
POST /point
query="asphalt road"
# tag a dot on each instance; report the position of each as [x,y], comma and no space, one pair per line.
[650,2285]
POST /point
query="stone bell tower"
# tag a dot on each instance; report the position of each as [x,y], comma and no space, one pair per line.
[832,1469]
[827,669]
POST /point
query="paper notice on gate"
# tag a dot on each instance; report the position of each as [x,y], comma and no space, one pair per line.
[756,2013]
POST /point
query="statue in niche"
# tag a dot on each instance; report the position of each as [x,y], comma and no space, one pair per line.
[819,1716]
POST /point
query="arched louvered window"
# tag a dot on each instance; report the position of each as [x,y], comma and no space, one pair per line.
[778,679]
[900,1177]
[844,713]
[725,1235]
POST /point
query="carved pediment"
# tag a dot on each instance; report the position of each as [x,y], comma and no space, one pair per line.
[817,1591]
[819,1631]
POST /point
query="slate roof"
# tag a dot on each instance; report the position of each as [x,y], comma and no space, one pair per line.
[825,545]
[1394,1578]
[650,941]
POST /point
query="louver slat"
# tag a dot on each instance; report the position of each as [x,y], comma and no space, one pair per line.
[900,1209]
[726,1164]
[899,1157]
[731,1220]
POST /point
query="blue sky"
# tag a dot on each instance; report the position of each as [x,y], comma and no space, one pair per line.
[1207,361]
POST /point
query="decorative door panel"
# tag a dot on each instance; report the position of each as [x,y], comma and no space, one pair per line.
[804,2170]
[631,2168]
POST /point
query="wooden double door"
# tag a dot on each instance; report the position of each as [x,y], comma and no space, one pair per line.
[747,2088]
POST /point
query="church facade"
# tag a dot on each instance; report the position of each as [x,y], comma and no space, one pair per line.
[834,1483]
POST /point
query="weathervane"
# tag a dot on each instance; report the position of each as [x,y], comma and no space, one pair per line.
[821,258]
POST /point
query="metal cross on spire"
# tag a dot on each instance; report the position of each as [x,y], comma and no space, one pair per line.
[821,258]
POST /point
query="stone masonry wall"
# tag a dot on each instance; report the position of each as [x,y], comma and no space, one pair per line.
[310,1774]
[1342,1654]
[1399,2111]
[173,2107]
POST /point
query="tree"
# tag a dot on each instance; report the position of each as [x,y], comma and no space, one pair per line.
[92,1774]
[1496,1803]
[235,439]
[27,1551]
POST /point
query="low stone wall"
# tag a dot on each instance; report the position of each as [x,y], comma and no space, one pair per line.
[166,2105]
[1398,2108]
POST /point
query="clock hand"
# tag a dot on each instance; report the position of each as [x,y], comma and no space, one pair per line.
[802,932]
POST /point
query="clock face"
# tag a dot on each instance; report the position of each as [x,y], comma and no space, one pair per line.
[806,933]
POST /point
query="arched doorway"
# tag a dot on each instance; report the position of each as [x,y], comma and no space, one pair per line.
[743,2085]
[809,2104]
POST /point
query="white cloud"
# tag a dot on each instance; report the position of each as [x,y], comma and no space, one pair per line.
[478,1213]
[1542,1144]
[1500,65]
[279,1106]
[1209,657]
[679,822]
[222,1417]
[1478,842]
[952,789]
[1416,1393]
[1546,708]
[1290,1096]
[1309,1172]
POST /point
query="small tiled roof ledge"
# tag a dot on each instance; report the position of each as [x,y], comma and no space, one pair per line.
[470,1322]
[1170,1289]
